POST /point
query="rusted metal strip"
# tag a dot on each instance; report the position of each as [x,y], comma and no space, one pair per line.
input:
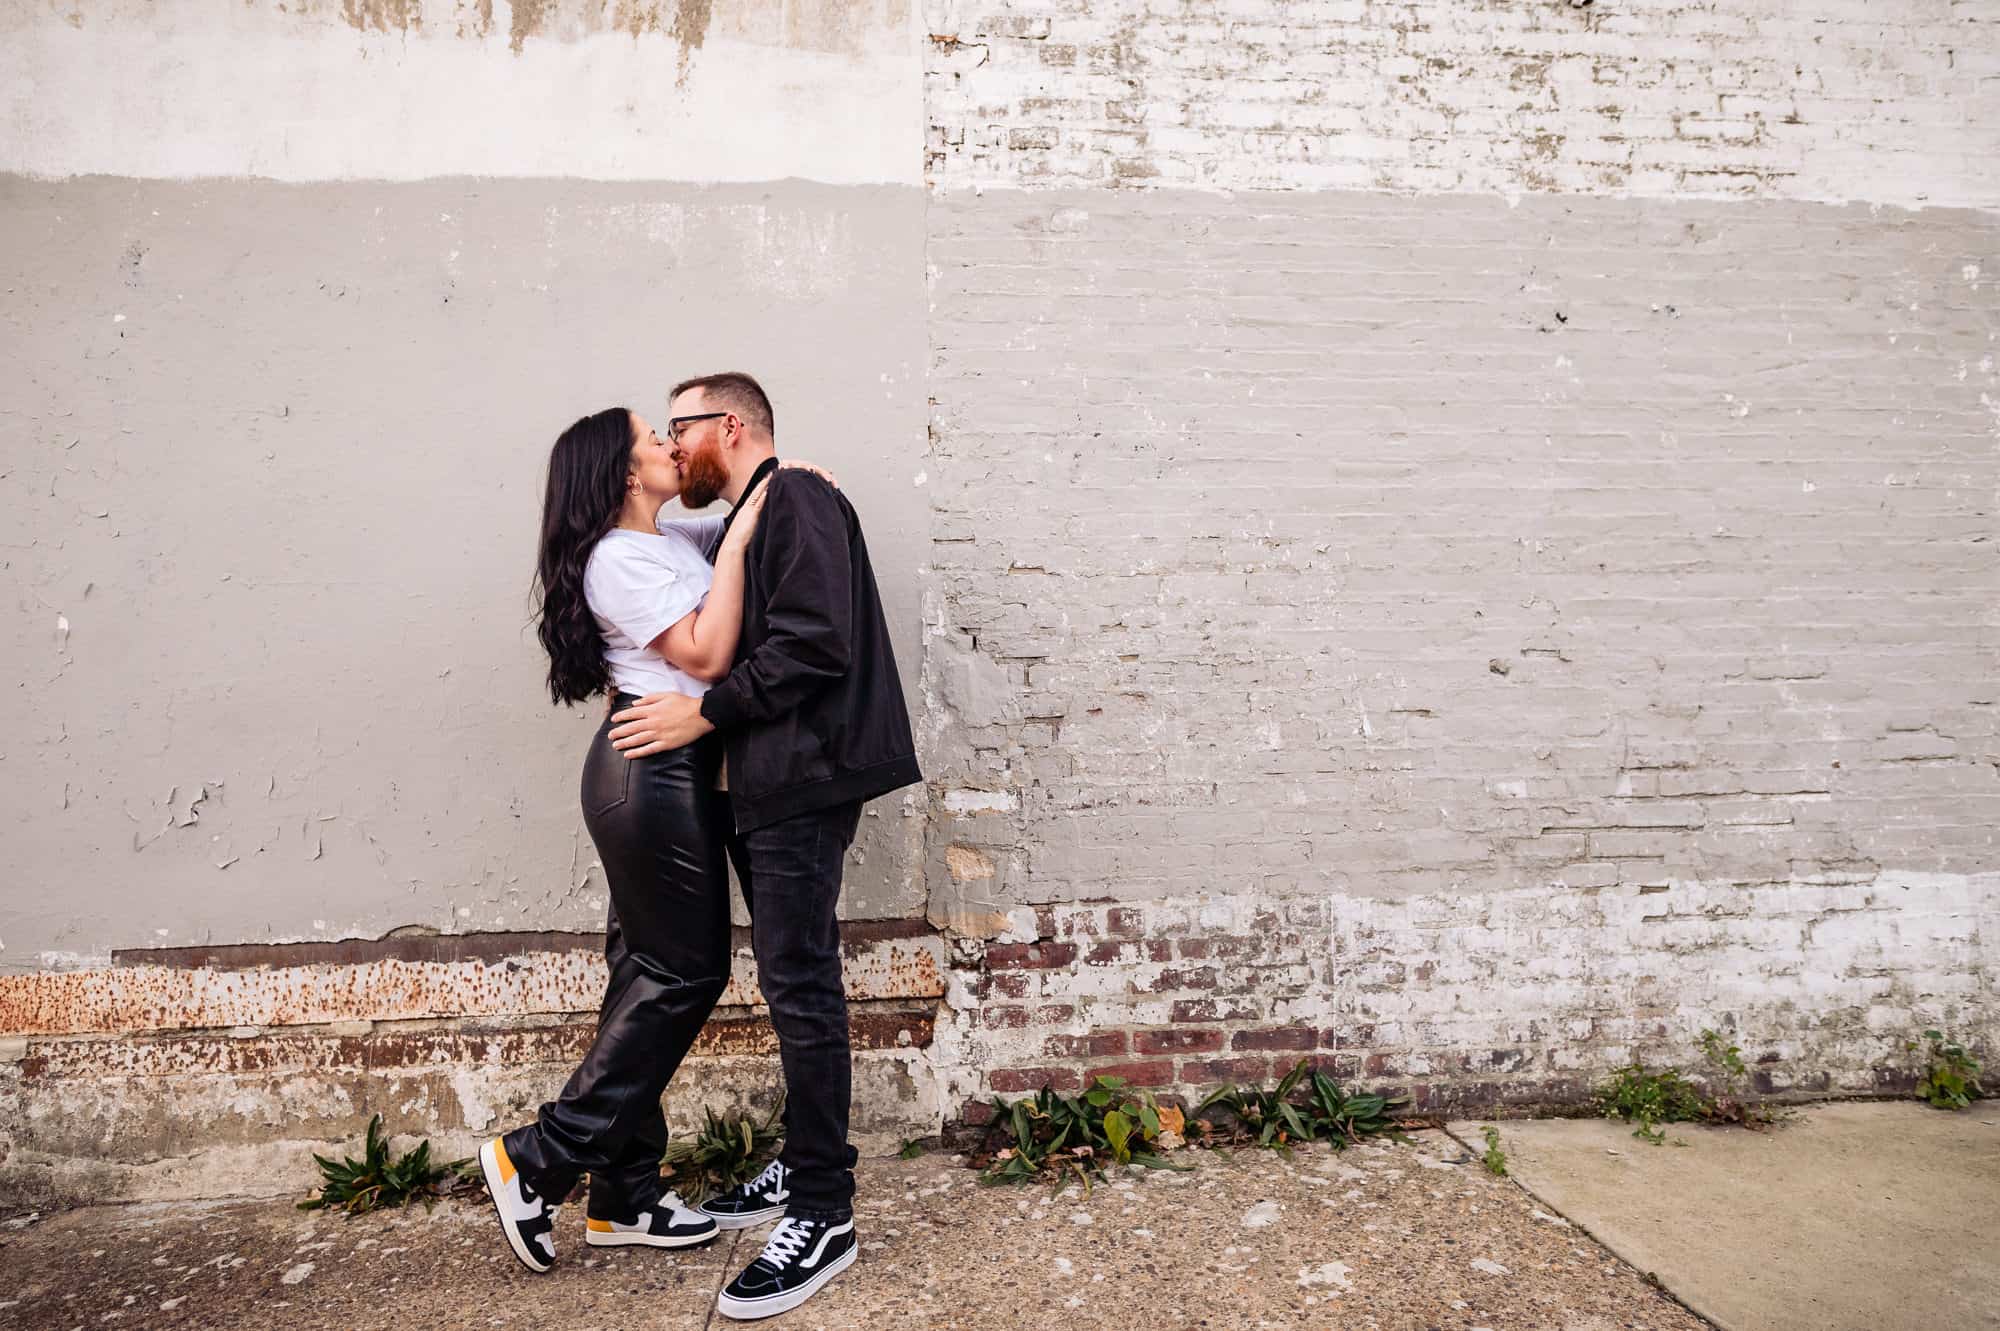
[390,1049]
[857,936]
[167,998]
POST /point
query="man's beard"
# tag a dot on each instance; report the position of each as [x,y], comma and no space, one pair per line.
[703,477]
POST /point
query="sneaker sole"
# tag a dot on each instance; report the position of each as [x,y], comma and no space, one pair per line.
[490,1168]
[597,1240]
[747,1220]
[751,1310]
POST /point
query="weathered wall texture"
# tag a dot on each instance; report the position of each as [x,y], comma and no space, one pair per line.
[1455,540]
[1464,538]
[1848,99]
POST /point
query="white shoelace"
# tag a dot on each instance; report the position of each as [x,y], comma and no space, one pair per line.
[787,1241]
[774,1174]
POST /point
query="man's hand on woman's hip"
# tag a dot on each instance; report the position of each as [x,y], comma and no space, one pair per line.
[658,722]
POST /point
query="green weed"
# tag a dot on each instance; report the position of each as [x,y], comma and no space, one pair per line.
[1279,1120]
[1651,1099]
[1951,1076]
[1495,1159]
[1054,1135]
[730,1149]
[379,1180]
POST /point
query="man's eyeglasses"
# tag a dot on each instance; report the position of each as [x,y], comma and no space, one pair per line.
[678,425]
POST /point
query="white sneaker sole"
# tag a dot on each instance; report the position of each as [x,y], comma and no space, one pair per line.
[748,1220]
[490,1167]
[751,1310]
[599,1240]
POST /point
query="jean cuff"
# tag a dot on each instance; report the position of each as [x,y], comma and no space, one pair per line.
[831,1216]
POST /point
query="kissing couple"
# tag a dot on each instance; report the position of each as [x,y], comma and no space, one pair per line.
[754,707]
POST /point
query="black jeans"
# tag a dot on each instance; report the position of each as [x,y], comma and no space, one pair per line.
[790,874]
[659,825]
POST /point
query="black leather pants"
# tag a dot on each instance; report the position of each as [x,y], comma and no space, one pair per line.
[659,825]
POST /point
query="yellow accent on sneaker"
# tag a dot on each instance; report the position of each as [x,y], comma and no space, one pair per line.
[500,1157]
[598,1226]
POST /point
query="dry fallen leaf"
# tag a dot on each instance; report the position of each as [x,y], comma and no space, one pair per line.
[1173,1120]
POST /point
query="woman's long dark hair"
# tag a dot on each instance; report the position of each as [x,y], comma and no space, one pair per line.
[586,490]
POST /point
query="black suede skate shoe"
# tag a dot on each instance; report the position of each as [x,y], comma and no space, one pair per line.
[800,1257]
[667,1223]
[749,1204]
[526,1217]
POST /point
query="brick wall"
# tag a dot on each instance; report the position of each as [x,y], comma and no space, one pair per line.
[1463,540]
[1473,1001]
[1737,98]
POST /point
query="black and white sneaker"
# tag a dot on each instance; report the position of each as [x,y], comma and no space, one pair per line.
[800,1256]
[750,1204]
[667,1223]
[526,1217]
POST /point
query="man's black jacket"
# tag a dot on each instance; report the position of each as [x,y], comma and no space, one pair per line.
[812,714]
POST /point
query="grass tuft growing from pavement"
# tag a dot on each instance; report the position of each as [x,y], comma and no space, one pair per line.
[730,1149]
[379,1179]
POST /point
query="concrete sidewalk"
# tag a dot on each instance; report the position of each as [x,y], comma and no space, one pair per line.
[1843,1217]
[1387,1237]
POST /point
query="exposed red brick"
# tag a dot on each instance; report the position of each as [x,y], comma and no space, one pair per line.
[1008,986]
[1029,956]
[1196,977]
[1014,1081]
[1098,1044]
[1003,1018]
[1053,1014]
[1201,1071]
[1177,1042]
[1382,1065]
[1124,921]
[1299,1038]
[975,1113]
[1139,1074]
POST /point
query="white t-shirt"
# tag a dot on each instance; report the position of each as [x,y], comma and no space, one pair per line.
[640,585]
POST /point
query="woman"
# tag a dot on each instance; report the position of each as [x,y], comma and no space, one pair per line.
[630,605]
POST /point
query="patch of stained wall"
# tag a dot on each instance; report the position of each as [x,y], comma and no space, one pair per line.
[413,89]
[274,465]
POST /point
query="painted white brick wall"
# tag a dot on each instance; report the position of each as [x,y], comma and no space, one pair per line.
[1893,102]
[1343,541]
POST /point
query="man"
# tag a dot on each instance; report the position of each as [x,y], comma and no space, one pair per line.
[812,723]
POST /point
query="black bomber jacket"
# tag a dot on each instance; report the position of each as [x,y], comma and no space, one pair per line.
[811,715]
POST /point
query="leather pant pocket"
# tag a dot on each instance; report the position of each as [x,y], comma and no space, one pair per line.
[607,776]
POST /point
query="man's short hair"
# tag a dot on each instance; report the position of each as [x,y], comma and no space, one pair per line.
[734,391]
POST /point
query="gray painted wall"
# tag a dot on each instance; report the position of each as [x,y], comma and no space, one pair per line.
[273,458]
[1341,542]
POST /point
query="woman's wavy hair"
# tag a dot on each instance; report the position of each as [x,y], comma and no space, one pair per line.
[586,490]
